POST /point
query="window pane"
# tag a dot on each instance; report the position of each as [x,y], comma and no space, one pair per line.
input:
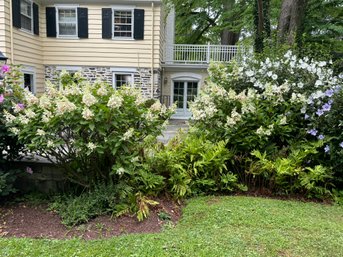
[123,23]
[28,82]
[25,8]
[123,79]
[178,94]
[26,23]
[67,29]
[67,15]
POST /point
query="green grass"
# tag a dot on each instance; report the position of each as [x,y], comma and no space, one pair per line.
[216,226]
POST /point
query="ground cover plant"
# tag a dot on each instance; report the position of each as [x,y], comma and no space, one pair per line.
[215,226]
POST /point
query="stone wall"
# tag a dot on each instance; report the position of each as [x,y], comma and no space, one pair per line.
[142,77]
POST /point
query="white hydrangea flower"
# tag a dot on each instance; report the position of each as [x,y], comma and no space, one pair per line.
[64,106]
[102,91]
[44,102]
[29,114]
[91,146]
[40,132]
[115,101]
[46,116]
[87,114]
[30,98]
[121,171]
[50,144]
[15,131]
[88,99]
[156,106]
[9,117]
[128,134]
[283,120]
[23,120]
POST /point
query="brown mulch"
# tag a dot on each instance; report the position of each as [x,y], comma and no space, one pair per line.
[24,220]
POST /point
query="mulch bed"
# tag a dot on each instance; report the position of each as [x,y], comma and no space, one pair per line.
[34,221]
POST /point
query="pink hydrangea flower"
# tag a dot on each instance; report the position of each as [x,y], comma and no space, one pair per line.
[2,98]
[5,68]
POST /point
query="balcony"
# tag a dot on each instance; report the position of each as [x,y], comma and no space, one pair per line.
[181,54]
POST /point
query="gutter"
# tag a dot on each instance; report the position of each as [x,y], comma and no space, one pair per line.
[11,34]
[152,51]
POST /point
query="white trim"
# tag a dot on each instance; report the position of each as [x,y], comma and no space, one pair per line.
[123,70]
[66,7]
[123,7]
[186,76]
[68,68]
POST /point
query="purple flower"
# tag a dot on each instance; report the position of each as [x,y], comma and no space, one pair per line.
[21,106]
[29,170]
[329,92]
[321,137]
[5,68]
[2,98]
[327,148]
[313,132]
[341,144]
[306,116]
[320,112]
[326,107]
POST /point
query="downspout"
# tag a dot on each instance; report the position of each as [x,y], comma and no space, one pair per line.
[11,33]
[152,51]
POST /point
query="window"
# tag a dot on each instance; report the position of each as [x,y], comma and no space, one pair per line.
[29,81]
[122,79]
[67,21]
[123,26]
[26,14]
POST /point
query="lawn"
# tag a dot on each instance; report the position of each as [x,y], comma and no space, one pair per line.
[215,226]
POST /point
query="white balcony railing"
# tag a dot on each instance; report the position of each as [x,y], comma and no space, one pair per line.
[199,54]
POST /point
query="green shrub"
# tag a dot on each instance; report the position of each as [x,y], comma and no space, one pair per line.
[193,165]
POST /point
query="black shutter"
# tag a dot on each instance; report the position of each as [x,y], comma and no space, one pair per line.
[106,23]
[16,19]
[35,19]
[50,22]
[82,19]
[139,24]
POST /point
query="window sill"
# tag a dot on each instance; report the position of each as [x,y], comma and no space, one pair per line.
[68,37]
[123,39]
[30,32]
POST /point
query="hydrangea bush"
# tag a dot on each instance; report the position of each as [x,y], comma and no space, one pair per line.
[94,132]
[271,106]
[10,92]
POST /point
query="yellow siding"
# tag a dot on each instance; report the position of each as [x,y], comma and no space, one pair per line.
[104,52]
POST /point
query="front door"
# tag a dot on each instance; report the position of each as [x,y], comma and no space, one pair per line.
[184,92]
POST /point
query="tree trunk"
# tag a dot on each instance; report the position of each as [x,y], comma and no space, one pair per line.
[290,20]
[228,37]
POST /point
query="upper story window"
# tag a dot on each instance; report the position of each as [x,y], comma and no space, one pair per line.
[26,14]
[123,22]
[67,21]
[123,26]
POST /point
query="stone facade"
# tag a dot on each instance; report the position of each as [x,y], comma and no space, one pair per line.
[142,77]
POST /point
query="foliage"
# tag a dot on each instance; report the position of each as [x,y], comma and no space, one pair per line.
[264,105]
[290,174]
[193,165]
[94,132]
[214,226]
[7,179]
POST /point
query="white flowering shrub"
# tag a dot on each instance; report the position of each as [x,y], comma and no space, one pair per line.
[94,132]
[267,106]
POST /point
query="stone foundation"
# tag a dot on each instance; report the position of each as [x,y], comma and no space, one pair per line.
[142,77]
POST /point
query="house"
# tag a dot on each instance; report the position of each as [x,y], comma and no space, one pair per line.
[118,41]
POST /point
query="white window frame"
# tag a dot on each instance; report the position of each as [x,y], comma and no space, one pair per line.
[66,7]
[115,73]
[31,4]
[30,71]
[124,8]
